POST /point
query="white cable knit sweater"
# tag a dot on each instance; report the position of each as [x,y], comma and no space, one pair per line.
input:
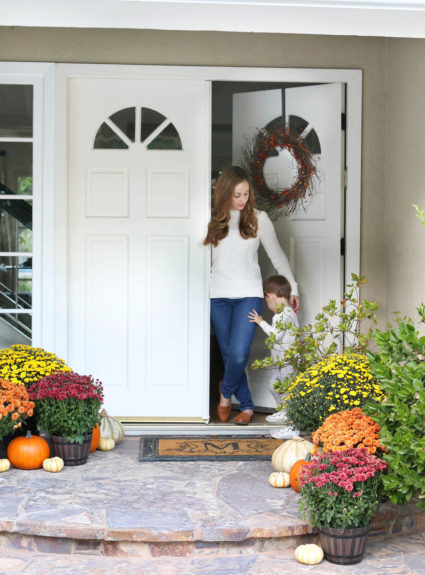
[235,271]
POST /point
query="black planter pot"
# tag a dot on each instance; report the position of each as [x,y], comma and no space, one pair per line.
[344,546]
[71,453]
[3,449]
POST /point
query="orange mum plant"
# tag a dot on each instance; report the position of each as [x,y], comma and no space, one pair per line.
[346,429]
[15,406]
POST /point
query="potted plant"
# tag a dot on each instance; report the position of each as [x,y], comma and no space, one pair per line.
[336,383]
[25,364]
[346,429]
[67,407]
[340,492]
[15,407]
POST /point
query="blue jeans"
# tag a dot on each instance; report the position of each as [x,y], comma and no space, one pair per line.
[235,333]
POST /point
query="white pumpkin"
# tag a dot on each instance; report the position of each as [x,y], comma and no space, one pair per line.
[111,427]
[309,554]
[4,465]
[289,452]
[279,479]
[53,464]
[106,444]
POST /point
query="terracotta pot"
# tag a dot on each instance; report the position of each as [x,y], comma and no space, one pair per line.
[344,546]
[71,453]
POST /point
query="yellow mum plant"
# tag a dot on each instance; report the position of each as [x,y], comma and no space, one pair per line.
[337,383]
[24,364]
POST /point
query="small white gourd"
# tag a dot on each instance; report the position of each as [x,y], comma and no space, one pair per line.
[289,452]
[309,554]
[279,479]
[4,465]
[106,444]
[53,464]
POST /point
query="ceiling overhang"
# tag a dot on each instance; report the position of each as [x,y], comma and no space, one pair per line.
[392,18]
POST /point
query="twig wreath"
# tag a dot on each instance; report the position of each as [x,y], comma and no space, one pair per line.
[267,143]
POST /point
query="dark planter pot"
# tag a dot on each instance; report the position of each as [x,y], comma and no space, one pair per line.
[3,449]
[71,453]
[344,546]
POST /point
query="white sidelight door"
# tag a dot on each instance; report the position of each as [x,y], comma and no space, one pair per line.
[311,236]
[138,205]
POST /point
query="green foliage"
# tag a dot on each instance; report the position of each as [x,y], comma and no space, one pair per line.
[335,327]
[341,489]
[333,384]
[399,366]
[71,418]
[420,214]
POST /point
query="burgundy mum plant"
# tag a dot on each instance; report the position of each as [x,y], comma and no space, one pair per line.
[67,404]
[341,489]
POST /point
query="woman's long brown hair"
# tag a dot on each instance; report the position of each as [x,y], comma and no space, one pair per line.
[218,227]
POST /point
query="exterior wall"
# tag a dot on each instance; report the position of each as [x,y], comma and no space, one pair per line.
[242,49]
[405,182]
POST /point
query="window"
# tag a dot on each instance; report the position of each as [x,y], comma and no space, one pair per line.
[16,195]
[137,125]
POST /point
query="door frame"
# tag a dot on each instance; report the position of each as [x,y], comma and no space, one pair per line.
[55,222]
[41,75]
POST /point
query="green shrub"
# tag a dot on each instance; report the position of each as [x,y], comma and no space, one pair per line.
[348,325]
[399,366]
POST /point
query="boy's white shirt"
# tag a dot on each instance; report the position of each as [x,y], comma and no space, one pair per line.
[284,338]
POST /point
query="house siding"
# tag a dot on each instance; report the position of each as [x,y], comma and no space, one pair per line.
[387,65]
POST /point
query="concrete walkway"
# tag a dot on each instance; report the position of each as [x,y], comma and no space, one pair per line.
[115,514]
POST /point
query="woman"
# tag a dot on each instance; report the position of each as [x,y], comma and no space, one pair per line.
[235,231]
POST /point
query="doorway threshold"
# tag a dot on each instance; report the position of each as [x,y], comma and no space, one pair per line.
[202,429]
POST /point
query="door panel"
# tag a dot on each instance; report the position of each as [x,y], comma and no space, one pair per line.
[136,268]
[311,235]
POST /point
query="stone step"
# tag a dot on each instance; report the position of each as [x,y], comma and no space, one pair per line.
[117,506]
[404,555]
[217,538]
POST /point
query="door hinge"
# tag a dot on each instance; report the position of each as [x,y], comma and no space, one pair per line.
[342,246]
[343,121]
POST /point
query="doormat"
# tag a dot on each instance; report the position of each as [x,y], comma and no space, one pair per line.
[207,448]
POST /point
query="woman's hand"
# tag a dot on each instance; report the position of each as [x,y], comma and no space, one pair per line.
[295,303]
[254,317]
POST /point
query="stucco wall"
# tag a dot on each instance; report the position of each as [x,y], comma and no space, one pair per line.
[229,49]
[405,178]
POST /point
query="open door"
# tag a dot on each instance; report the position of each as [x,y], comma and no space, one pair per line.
[311,236]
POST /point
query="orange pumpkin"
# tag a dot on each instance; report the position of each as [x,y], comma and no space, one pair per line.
[96,438]
[28,452]
[295,473]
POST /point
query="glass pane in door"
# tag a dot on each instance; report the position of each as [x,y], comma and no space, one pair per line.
[16,103]
[15,168]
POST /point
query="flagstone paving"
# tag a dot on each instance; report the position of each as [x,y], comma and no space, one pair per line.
[395,556]
[115,514]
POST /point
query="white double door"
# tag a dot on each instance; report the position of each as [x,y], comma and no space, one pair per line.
[138,208]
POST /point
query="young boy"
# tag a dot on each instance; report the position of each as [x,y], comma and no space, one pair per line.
[277,292]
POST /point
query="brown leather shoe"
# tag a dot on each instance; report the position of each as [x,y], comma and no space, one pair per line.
[223,412]
[244,418]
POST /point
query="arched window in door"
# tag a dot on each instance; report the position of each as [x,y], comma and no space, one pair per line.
[131,126]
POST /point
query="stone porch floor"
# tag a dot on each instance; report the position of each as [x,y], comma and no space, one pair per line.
[118,515]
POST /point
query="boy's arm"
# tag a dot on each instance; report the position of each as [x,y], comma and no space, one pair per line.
[281,332]
[267,328]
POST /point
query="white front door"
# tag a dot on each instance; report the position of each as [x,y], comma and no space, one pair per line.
[138,204]
[311,236]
